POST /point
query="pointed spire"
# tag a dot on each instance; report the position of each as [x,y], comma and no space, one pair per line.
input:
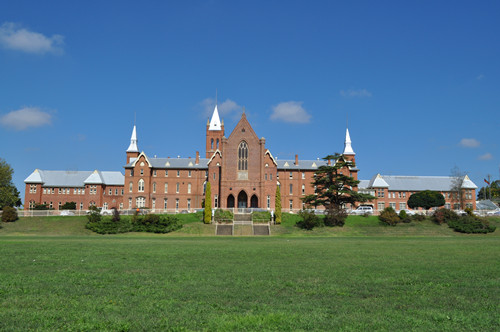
[133,142]
[347,144]
[215,123]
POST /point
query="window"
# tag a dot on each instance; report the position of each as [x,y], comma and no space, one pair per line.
[291,205]
[189,204]
[59,206]
[166,173]
[404,195]
[153,203]
[105,206]
[189,188]
[121,206]
[130,203]
[243,156]
[399,194]
[176,204]
[393,205]
[380,206]
[142,172]
[44,191]
[402,206]
[268,201]
[154,187]
[177,186]
[116,191]
[50,205]
[165,203]
[303,175]
[140,185]
[189,173]
[303,189]
[122,192]
[140,202]
[380,192]
[291,175]
[178,173]
[214,176]
[166,188]
[154,173]
[130,187]
[110,191]
[211,144]
[270,176]
[131,172]
[291,189]
[265,176]
[81,205]
[217,143]
[216,201]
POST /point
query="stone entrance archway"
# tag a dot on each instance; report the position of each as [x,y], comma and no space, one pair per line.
[242,200]
[254,201]
[230,201]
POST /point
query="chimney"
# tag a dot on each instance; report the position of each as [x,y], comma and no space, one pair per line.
[197,158]
[296,159]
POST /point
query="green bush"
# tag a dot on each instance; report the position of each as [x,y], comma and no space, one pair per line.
[108,226]
[261,216]
[404,217]
[116,215]
[9,214]
[389,217]
[444,216]
[223,215]
[418,217]
[308,220]
[94,214]
[335,218]
[68,206]
[471,224]
[155,223]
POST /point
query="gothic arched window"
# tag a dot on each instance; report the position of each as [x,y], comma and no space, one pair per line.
[243,156]
[140,185]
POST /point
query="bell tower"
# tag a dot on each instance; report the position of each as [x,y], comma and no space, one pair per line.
[132,151]
[215,132]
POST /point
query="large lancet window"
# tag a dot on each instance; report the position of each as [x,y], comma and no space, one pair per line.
[243,156]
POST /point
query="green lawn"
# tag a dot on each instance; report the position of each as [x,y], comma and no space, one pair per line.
[56,275]
[247,283]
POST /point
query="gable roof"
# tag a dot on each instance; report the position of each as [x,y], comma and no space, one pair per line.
[74,178]
[416,183]
[244,124]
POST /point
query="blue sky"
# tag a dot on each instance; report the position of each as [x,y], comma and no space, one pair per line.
[418,81]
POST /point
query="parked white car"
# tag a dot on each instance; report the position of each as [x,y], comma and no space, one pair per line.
[66,213]
[363,209]
[493,213]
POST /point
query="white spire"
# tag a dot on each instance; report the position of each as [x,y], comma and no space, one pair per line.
[347,144]
[133,142]
[215,122]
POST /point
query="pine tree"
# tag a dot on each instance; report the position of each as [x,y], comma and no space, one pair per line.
[278,205]
[334,190]
[208,205]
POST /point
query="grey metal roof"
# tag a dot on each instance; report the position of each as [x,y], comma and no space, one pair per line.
[417,183]
[73,178]
[303,164]
[186,163]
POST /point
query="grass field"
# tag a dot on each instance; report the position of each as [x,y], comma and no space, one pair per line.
[382,279]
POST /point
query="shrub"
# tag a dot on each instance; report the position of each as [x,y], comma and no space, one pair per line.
[9,214]
[404,216]
[154,223]
[308,220]
[108,226]
[471,224]
[443,216]
[68,206]
[93,215]
[469,211]
[116,215]
[335,218]
[389,216]
[418,217]
[261,216]
[223,215]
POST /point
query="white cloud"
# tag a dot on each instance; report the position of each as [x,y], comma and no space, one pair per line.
[361,93]
[290,111]
[16,38]
[26,117]
[469,143]
[480,77]
[226,108]
[486,156]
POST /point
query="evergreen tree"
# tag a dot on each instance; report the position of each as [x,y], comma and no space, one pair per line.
[9,196]
[277,200]
[334,190]
[208,204]
[426,199]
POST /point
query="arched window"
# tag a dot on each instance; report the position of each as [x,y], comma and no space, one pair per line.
[217,143]
[130,186]
[212,144]
[243,156]
[140,185]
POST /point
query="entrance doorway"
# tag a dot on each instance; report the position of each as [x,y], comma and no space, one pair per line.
[230,201]
[242,200]
[254,202]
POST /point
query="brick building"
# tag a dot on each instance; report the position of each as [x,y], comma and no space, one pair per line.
[242,173]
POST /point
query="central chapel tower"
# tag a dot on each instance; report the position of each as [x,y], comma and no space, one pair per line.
[215,132]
